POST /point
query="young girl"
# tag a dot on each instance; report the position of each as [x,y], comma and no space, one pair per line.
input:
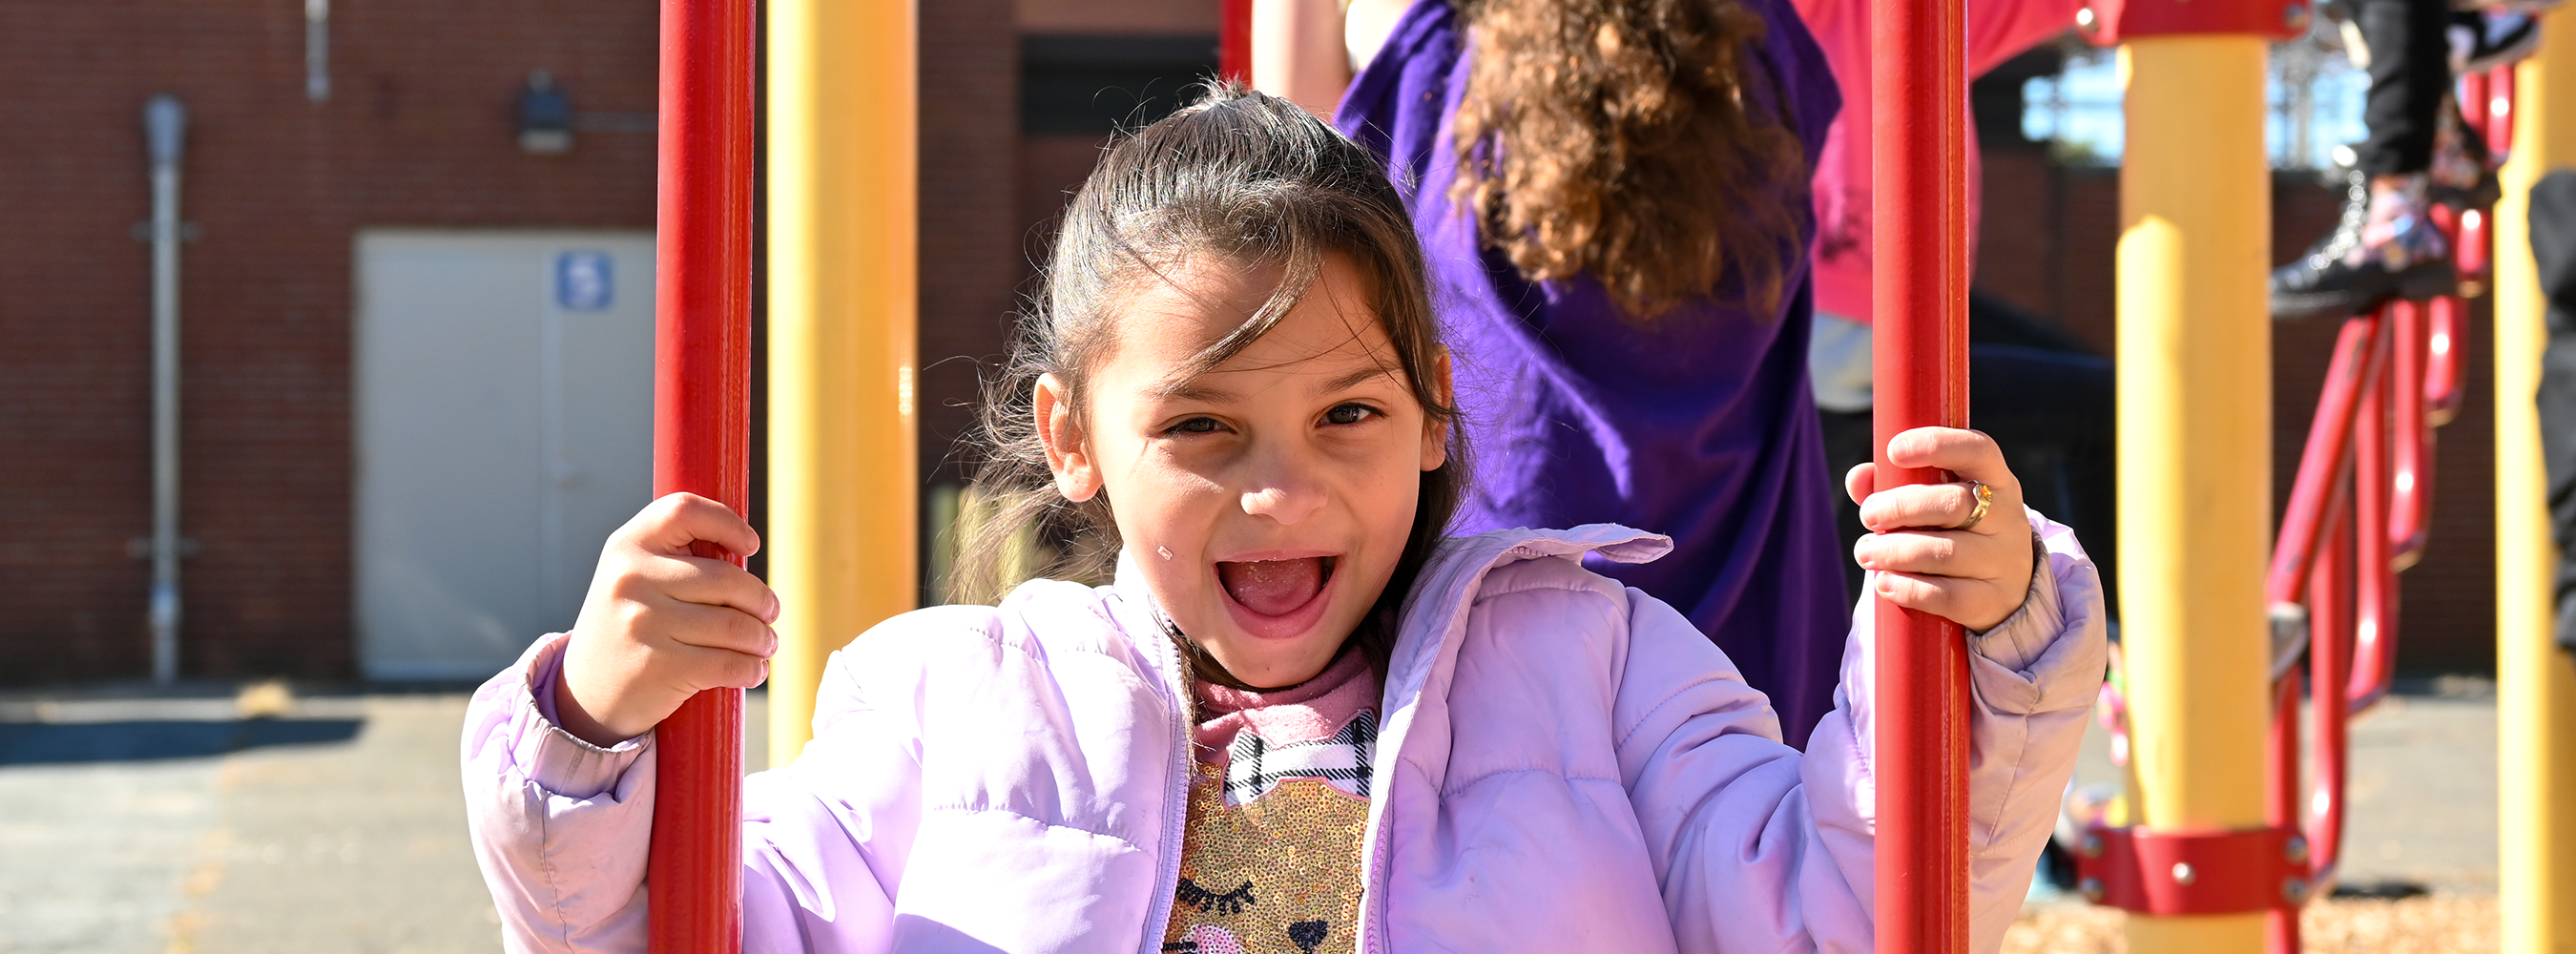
[1299,719]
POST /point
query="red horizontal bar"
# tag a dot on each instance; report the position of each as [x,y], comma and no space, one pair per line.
[2168,873]
[2107,22]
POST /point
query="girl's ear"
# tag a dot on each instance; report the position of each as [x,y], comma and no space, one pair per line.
[1435,432]
[1068,449]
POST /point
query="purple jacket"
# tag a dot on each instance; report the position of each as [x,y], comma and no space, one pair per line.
[1565,765]
[1700,425]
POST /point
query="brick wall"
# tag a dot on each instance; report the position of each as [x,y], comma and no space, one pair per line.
[418,131]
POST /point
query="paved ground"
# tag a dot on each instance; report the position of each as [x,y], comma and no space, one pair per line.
[141,825]
[138,822]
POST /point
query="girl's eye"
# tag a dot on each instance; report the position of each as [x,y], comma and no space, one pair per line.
[1196,425]
[1349,414]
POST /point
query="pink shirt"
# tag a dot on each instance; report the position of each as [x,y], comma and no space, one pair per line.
[1998,30]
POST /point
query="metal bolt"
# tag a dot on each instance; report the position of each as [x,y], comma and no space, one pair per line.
[2091,888]
[2296,849]
[2182,873]
[2090,847]
[2086,20]
[2294,890]
[2295,16]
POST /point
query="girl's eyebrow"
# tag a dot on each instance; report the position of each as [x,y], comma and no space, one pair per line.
[1192,388]
[1353,379]
[1197,389]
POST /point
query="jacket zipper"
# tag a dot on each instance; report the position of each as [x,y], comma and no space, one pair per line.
[1176,806]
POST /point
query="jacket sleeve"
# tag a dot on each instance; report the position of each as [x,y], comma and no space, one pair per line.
[562,829]
[560,826]
[1762,848]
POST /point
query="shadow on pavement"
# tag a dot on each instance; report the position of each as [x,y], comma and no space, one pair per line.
[42,743]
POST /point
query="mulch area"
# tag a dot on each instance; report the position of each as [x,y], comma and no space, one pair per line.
[2458,924]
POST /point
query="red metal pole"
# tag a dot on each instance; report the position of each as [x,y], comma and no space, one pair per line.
[701,439]
[1918,88]
[1234,40]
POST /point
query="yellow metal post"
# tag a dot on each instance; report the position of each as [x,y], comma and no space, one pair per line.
[2195,446]
[843,486]
[2535,684]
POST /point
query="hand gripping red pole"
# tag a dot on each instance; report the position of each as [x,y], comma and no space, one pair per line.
[1919,93]
[701,440]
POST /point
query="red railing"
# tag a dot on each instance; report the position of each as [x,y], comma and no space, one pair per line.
[2359,513]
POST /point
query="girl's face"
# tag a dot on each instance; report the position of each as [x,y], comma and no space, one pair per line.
[1266,501]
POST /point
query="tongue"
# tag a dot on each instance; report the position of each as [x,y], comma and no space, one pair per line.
[1273,587]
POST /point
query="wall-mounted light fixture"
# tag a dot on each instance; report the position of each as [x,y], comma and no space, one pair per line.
[317,50]
[545,116]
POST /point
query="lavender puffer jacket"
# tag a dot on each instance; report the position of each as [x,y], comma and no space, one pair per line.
[1564,765]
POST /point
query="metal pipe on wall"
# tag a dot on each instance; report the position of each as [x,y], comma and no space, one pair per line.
[165,131]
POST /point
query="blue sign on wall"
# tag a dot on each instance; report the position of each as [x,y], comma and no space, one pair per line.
[584,281]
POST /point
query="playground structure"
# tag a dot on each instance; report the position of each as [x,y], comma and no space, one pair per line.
[2229,838]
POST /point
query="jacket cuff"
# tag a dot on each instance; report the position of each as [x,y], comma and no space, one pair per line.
[2022,637]
[556,760]
[2049,654]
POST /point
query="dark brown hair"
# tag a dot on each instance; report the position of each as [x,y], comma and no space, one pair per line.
[1629,140]
[1241,178]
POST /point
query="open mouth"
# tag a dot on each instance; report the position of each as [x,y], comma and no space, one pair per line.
[1275,587]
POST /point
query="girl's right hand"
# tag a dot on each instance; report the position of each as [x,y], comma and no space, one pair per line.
[661,624]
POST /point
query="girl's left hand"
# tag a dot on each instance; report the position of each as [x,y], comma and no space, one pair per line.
[1976,577]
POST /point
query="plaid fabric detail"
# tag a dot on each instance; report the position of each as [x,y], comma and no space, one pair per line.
[1253,766]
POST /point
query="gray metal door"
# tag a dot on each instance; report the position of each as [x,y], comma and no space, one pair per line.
[504,384]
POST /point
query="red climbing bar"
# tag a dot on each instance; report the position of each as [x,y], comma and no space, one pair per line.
[2374,568]
[1918,83]
[701,439]
[2411,447]
[2336,598]
[2354,370]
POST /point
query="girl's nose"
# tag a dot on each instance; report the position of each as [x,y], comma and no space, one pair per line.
[1284,501]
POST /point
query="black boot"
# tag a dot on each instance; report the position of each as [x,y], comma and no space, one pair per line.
[2383,248]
